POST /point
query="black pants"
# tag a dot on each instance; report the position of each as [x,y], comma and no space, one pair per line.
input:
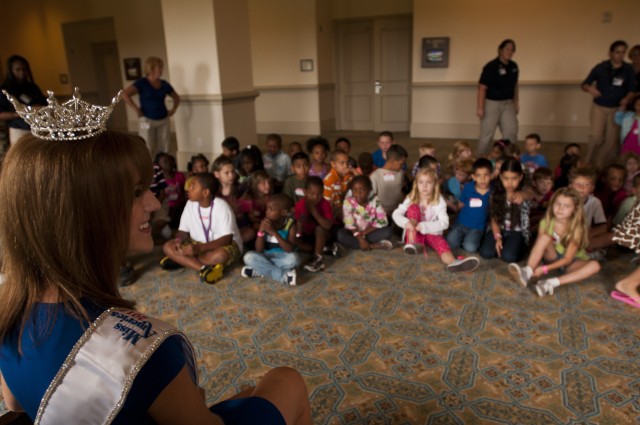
[346,238]
[513,246]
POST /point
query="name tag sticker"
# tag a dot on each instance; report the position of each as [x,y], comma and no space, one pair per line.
[388,177]
[475,202]
[299,191]
[502,71]
[618,81]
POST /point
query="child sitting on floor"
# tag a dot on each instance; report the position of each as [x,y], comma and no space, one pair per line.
[210,225]
[631,162]
[314,219]
[531,159]
[337,182]
[610,189]
[257,193]
[562,239]
[542,191]
[294,184]
[365,223]
[469,227]
[423,217]
[276,163]
[509,233]
[274,256]
[424,149]
[388,181]
[223,171]
[318,148]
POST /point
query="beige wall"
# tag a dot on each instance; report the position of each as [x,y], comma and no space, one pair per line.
[557,44]
[350,9]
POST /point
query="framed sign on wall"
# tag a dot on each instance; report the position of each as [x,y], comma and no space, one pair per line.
[435,52]
[132,68]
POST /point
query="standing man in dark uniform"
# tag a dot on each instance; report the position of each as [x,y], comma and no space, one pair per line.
[611,83]
[498,97]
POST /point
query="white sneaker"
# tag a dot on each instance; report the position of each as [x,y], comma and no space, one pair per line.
[410,249]
[520,275]
[290,277]
[544,287]
[468,264]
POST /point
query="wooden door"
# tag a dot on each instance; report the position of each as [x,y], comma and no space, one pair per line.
[374,74]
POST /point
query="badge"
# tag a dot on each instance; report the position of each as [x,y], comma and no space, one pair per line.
[299,191]
[475,202]
[502,71]
[388,177]
[617,81]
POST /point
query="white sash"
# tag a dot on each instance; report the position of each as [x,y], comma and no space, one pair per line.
[94,381]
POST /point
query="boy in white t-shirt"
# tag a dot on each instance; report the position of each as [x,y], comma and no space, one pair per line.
[583,181]
[388,181]
[214,243]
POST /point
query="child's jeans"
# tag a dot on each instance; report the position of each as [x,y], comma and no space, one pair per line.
[346,238]
[468,237]
[513,246]
[272,264]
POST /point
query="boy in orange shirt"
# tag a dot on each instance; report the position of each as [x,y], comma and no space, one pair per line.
[336,183]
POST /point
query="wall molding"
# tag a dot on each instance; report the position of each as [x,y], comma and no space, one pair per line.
[522,83]
[220,98]
[277,87]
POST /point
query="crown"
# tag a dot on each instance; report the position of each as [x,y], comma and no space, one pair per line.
[74,119]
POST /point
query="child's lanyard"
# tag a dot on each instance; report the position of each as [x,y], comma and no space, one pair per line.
[206,229]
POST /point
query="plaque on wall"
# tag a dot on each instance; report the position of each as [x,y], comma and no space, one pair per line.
[132,68]
[435,52]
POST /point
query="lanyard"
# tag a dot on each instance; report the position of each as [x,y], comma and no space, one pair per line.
[206,230]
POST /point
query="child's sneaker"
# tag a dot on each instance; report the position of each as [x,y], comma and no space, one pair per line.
[337,250]
[410,249]
[168,264]
[315,264]
[546,287]
[290,277]
[522,275]
[386,245]
[468,264]
[249,272]
[211,274]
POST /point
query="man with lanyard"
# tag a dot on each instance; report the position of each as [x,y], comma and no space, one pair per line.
[611,83]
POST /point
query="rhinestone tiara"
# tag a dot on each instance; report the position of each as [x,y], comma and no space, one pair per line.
[74,119]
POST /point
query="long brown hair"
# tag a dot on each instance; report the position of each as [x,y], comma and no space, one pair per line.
[65,219]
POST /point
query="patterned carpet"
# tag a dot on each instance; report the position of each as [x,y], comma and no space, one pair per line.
[387,338]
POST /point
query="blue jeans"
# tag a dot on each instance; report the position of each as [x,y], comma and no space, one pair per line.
[468,237]
[272,264]
[513,246]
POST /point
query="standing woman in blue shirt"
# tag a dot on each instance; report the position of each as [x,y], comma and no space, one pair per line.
[498,104]
[611,83]
[153,125]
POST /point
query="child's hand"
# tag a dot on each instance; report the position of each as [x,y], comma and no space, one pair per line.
[538,271]
[267,227]
[517,198]
[499,247]
[188,250]
[364,245]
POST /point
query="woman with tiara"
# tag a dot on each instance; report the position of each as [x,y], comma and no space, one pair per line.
[72,350]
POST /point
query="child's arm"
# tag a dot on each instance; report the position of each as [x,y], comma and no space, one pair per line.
[260,239]
[399,215]
[520,196]
[210,246]
[568,258]
[292,237]
[439,224]
[497,235]
[323,222]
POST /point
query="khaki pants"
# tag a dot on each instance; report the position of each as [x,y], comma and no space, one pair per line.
[155,133]
[16,134]
[497,113]
[603,136]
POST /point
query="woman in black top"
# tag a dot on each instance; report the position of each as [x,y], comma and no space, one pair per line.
[498,97]
[19,83]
